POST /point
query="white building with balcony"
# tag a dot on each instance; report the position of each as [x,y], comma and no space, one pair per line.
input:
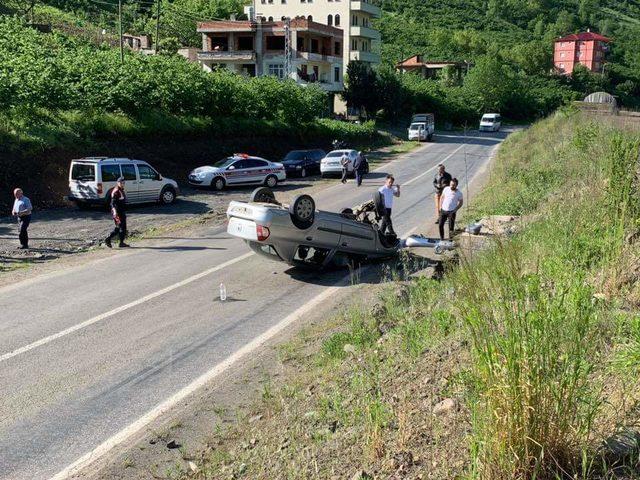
[362,41]
[257,48]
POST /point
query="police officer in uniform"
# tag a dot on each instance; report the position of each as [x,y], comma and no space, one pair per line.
[119,214]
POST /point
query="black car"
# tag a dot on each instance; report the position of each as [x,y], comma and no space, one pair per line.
[301,163]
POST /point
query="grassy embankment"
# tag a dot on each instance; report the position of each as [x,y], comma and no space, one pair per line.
[536,341]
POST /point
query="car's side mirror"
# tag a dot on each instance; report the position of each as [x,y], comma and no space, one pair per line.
[231,167]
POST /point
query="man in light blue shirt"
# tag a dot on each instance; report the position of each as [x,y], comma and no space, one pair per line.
[22,209]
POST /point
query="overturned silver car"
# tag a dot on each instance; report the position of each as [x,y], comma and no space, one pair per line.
[300,235]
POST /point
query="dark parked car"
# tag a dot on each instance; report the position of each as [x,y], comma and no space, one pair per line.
[301,163]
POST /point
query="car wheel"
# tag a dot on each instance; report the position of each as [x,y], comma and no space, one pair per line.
[303,173]
[218,183]
[262,195]
[271,181]
[302,210]
[167,196]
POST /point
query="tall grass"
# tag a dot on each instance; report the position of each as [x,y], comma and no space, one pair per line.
[538,334]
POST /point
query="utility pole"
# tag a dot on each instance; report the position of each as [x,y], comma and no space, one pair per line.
[287,47]
[120,31]
[157,39]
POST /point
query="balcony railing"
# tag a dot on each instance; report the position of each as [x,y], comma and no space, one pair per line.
[364,56]
[318,57]
[364,32]
[366,7]
[221,55]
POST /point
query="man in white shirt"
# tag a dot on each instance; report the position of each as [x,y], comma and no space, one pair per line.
[388,191]
[22,209]
[450,202]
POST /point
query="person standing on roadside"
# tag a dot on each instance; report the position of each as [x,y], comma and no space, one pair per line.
[440,181]
[344,161]
[450,202]
[22,209]
[119,214]
[388,191]
[359,167]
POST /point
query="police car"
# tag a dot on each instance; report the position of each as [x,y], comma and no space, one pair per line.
[240,169]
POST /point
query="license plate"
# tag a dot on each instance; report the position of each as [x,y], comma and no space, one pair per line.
[239,227]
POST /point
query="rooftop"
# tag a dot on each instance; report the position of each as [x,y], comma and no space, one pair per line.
[583,36]
[418,61]
[299,23]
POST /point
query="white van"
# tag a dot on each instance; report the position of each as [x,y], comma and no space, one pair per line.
[490,122]
[422,127]
[91,180]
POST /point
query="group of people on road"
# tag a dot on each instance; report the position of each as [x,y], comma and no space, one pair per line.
[22,210]
[359,167]
[448,200]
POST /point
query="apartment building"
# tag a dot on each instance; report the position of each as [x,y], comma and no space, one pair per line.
[354,16]
[586,48]
[257,48]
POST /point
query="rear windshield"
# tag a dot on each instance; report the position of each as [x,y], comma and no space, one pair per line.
[225,162]
[337,154]
[83,172]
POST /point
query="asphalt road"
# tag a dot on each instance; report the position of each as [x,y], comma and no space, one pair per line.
[86,352]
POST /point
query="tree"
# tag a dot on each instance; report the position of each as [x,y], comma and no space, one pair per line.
[533,57]
[490,85]
[360,87]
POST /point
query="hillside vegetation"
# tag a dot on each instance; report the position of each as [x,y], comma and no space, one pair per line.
[534,343]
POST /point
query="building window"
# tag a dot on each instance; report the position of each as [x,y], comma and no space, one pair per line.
[270,19]
[337,20]
[562,55]
[310,18]
[354,44]
[275,43]
[300,44]
[337,48]
[354,20]
[315,45]
[336,74]
[330,20]
[276,70]
[245,43]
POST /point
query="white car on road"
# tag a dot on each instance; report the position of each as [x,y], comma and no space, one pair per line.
[331,164]
[240,169]
[490,122]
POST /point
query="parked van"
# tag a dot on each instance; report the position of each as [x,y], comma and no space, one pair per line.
[490,122]
[91,180]
[427,121]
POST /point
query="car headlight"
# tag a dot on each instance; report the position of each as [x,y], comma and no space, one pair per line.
[299,167]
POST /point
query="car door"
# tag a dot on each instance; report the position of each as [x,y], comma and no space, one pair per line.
[149,183]
[357,237]
[236,173]
[256,170]
[130,182]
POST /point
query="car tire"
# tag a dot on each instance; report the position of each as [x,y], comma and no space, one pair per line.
[430,137]
[218,183]
[263,195]
[303,172]
[302,211]
[167,196]
[271,181]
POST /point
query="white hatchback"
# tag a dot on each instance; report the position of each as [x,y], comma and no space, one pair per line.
[331,164]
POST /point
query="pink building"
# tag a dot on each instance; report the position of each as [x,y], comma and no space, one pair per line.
[587,48]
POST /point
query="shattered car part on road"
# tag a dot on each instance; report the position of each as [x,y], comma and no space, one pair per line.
[300,235]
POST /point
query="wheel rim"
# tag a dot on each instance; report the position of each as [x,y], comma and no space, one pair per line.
[167,196]
[219,184]
[303,173]
[304,209]
[272,181]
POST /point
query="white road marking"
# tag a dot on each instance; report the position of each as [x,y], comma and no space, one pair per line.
[200,382]
[434,167]
[122,308]
[205,378]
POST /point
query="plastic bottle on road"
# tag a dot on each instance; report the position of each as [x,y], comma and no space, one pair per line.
[223,292]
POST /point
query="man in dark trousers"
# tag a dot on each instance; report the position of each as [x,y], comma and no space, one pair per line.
[344,161]
[22,209]
[450,202]
[119,214]
[388,191]
[359,166]
[441,180]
